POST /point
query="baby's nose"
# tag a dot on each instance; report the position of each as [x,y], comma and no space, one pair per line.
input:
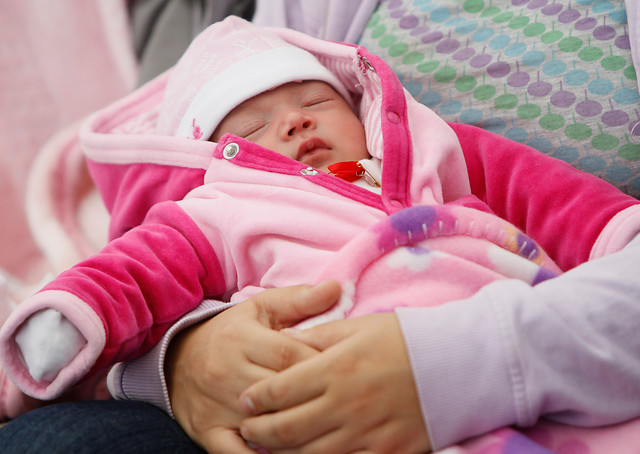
[296,121]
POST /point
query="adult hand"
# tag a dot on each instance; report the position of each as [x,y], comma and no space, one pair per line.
[211,363]
[358,395]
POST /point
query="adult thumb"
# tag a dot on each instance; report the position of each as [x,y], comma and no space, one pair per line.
[284,307]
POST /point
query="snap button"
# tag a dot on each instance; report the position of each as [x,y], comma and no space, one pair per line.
[230,150]
[309,171]
[393,117]
[365,65]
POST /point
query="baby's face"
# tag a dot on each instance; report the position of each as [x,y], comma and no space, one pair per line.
[306,121]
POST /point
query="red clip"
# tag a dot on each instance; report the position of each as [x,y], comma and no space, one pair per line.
[349,170]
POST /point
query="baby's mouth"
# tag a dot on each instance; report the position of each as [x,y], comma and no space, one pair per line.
[309,148]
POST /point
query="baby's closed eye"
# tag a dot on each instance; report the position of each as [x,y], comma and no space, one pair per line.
[317,100]
[251,128]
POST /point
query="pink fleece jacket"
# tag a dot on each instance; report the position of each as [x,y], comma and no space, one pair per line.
[119,298]
[577,315]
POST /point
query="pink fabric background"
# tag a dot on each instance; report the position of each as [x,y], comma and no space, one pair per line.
[59,61]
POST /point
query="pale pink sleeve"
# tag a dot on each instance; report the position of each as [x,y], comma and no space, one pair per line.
[566,349]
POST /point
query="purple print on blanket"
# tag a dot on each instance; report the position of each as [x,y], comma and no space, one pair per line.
[430,255]
[414,224]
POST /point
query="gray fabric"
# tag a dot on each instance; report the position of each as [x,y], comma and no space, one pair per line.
[162,29]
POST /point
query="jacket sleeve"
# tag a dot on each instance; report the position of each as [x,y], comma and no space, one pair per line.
[573,215]
[143,378]
[566,349]
[123,299]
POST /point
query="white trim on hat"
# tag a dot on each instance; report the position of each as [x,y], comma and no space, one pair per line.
[247,78]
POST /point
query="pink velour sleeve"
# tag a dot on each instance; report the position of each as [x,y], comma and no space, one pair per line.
[564,209]
[129,294]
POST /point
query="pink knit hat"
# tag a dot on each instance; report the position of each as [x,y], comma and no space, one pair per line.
[228,63]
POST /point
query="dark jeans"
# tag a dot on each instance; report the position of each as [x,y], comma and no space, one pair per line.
[95,427]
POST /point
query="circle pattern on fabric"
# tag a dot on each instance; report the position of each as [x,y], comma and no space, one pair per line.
[556,75]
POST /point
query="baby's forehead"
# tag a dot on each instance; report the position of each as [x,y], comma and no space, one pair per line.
[291,91]
[300,88]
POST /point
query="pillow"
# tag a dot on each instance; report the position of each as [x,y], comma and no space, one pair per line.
[556,75]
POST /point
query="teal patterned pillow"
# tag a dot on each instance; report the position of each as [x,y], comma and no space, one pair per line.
[554,74]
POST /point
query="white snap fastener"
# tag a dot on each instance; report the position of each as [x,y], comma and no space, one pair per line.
[230,151]
[309,171]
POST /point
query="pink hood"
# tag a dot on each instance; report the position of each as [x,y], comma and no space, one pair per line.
[135,167]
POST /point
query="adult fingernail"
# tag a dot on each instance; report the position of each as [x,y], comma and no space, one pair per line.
[244,433]
[247,405]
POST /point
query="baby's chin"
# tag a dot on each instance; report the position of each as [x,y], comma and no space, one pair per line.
[323,168]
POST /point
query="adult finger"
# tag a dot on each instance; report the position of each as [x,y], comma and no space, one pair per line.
[324,336]
[222,440]
[289,428]
[335,442]
[298,384]
[281,308]
[277,351]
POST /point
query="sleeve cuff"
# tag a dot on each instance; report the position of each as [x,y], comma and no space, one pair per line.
[618,232]
[143,379]
[81,317]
